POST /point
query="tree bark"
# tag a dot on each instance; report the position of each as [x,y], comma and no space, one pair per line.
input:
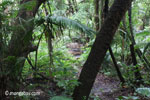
[96,19]
[99,49]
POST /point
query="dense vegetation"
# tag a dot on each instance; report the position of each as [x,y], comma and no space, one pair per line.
[75,49]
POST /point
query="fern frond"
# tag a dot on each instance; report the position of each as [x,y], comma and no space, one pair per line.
[66,22]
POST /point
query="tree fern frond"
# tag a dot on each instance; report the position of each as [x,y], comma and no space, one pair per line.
[66,22]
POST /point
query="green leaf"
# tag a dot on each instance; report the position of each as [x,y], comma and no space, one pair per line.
[59,61]
[143,33]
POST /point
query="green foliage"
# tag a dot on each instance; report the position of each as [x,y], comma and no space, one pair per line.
[144,91]
[65,69]
[128,98]
[60,98]
[84,55]
[5,3]
[29,6]
[142,34]
[128,73]
[10,59]
[85,12]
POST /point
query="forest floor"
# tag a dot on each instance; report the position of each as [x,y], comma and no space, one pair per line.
[108,88]
[105,87]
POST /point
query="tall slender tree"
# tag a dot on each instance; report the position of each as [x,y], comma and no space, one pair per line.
[134,61]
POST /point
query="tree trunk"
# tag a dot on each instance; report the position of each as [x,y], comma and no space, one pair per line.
[96,19]
[116,66]
[99,49]
[18,49]
[49,36]
[134,61]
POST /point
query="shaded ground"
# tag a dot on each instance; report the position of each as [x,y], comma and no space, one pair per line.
[108,88]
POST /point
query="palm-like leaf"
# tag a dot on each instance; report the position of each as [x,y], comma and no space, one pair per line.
[66,22]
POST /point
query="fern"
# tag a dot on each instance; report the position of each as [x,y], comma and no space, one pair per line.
[66,22]
[5,3]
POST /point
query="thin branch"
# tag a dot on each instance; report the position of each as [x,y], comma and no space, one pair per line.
[30,63]
[37,49]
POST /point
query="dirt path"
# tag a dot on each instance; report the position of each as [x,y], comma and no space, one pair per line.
[104,86]
[108,88]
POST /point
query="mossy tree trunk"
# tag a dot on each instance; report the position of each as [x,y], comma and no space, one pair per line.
[12,60]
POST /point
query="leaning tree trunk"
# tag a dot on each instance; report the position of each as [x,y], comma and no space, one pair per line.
[106,10]
[99,49]
[18,48]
